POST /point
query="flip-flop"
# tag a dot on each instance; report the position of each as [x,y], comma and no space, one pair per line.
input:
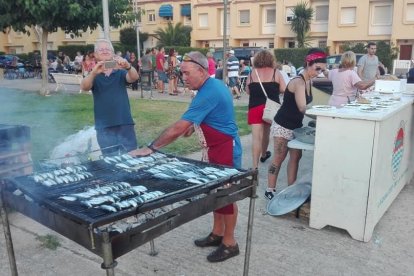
[267,156]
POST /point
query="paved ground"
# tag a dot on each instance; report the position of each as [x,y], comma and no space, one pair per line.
[280,246]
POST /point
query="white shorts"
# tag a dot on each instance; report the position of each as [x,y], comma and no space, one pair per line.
[277,130]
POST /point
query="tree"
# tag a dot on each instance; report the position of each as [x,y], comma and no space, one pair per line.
[128,36]
[46,16]
[301,21]
[177,35]
[386,51]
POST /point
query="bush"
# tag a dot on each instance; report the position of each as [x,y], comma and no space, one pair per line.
[184,49]
[294,55]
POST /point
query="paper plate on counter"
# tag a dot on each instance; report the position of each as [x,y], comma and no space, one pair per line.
[289,199]
[323,107]
[370,109]
[352,105]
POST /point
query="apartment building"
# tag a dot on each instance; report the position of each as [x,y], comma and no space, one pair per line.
[260,23]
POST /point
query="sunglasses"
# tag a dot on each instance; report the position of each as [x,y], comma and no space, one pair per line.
[187,58]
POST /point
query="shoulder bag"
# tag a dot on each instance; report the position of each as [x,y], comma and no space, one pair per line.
[271,106]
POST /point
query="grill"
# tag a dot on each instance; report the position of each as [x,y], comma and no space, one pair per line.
[113,205]
[14,150]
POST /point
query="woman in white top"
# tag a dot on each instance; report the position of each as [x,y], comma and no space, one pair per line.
[345,81]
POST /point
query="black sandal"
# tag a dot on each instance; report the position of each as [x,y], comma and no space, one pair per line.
[267,156]
[210,240]
[223,253]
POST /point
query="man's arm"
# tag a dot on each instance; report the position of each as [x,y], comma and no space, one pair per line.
[168,136]
[87,82]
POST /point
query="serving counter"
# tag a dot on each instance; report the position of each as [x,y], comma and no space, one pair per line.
[362,160]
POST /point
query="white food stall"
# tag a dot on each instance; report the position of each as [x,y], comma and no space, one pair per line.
[363,157]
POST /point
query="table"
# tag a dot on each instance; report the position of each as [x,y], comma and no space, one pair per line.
[361,163]
[295,144]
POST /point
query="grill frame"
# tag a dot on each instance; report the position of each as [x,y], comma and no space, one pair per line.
[111,245]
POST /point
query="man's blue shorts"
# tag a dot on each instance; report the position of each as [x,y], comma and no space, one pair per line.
[233,81]
[162,76]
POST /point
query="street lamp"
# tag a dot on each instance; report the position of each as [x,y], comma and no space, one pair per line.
[137,12]
[105,11]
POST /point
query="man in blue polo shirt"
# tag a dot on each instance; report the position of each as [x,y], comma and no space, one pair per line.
[211,116]
[113,120]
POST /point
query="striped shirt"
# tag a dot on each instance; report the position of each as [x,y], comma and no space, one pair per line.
[232,67]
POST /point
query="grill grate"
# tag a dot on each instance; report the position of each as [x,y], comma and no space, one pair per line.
[103,174]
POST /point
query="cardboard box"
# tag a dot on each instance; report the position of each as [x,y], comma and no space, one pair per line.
[390,86]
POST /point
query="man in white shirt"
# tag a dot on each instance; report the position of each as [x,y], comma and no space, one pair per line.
[233,74]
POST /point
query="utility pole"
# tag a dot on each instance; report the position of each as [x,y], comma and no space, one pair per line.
[105,19]
[137,16]
[225,41]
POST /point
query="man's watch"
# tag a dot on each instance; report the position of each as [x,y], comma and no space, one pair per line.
[151,146]
[130,66]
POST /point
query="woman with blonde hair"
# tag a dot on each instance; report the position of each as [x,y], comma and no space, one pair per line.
[345,81]
[264,71]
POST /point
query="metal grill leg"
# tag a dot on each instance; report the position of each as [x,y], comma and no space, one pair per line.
[153,252]
[250,226]
[109,263]
[249,237]
[7,235]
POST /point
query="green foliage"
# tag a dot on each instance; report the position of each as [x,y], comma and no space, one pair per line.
[300,24]
[70,15]
[294,55]
[386,51]
[177,35]
[358,48]
[183,50]
[49,241]
[128,36]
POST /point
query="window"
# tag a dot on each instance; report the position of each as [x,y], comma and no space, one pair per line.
[291,44]
[348,15]
[245,44]
[244,17]
[382,15]
[151,15]
[322,13]
[271,45]
[289,14]
[203,20]
[270,16]
[187,20]
[410,12]
[322,44]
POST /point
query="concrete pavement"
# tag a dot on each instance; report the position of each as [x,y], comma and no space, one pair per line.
[280,245]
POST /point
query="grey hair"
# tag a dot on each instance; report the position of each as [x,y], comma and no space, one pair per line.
[103,40]
[199,57]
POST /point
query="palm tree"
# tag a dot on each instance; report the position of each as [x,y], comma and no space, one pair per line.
[301,21]
[177,35]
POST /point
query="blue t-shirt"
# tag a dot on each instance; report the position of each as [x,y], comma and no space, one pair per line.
[213,106]
[111,102]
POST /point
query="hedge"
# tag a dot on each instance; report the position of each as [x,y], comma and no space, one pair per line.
[295,55]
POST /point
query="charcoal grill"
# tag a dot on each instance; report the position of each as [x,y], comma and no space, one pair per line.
[181,202]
